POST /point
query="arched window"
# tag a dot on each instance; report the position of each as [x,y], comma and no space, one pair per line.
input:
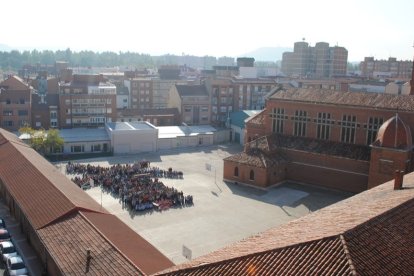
[236,171]
[251,175]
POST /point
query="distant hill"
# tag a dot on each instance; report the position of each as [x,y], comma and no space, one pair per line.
[267,53]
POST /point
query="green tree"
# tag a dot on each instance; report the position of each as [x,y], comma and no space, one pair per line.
[53,142]
[43,141]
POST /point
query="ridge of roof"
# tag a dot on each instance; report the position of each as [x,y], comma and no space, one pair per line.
[109,241]
[360,99]
[274,257]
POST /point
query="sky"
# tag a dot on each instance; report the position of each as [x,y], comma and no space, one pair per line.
[378,28]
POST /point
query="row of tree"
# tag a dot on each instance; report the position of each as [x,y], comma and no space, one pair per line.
[16,59]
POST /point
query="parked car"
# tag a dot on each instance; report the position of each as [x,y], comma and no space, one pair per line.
[7,250]
[2,223]
[16,266]
[4,235]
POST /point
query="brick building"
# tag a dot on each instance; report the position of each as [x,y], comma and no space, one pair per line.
[141,93]
[155,116]
[15,103]
[391,68]
[315,136]
[87,101]
[319,61]
[45,111]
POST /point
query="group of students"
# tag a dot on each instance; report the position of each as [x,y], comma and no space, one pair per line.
[137,186]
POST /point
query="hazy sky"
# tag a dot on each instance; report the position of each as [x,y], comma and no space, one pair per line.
[379,28]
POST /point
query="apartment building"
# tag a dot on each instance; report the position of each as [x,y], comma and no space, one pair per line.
[15,103]
[252,92]
[193,103]
[140,93]
[224,99]
[318,61]
[391,68]
[87,101]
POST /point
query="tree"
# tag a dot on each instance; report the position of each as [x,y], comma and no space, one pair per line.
[43,141]
[54,142]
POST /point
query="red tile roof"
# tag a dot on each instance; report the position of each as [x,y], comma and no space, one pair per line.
[375,229]
[15,83]
[68,220]
[257,119]
[67,241]
[42,192]
[133,246]
[360,99]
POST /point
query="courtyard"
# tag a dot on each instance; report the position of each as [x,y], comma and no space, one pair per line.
[223,213]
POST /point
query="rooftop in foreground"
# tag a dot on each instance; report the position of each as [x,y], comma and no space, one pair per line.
[368,234]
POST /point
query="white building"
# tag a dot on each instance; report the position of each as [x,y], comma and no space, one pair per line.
[132,137]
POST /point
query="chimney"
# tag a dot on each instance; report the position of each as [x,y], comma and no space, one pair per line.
[398,179]
[88,260]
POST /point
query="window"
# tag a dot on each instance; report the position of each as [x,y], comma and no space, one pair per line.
[300,120]
[77,148]
[323,126]
[187,109]
[204,108]
[251,175]
[8,101]
[236,171]
[53,115]
[22,112]
[374,123]
[223,109]
[95,148]
[7,112]
[7,123]
[53,124]
[348,128]
[278,118]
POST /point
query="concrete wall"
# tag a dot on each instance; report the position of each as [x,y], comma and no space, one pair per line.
[124,142]
[185,141]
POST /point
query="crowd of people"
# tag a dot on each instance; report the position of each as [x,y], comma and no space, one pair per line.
[137,186]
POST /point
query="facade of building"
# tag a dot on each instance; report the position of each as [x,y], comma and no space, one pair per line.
[133,137]
[391,68]
[252,92]
[15,103]
[319,61]
[223,99]
[87,101]
[45,111]
[314,136]
[155,116]
[141,93]
[238,125]
[192,102]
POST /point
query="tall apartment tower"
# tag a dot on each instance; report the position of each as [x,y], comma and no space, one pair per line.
[320,61]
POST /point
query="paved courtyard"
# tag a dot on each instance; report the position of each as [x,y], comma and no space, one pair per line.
[223,213]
